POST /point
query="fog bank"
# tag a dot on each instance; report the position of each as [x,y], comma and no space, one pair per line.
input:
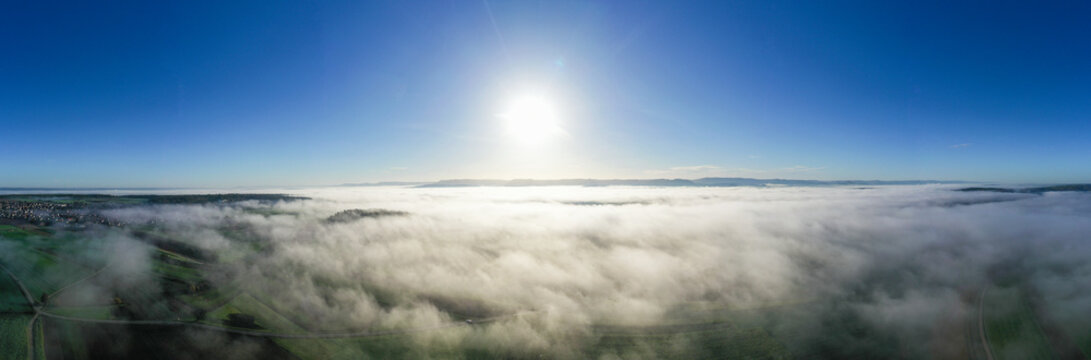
[875,272]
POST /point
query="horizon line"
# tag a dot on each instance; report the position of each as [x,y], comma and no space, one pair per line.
[512,180]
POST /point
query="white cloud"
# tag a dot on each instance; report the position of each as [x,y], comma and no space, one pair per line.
[559,261]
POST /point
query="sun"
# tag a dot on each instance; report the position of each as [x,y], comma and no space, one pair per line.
[531,119]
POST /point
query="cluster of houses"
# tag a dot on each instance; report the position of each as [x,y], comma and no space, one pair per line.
[44,213]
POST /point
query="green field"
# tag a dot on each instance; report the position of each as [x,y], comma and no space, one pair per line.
[332,349]
[177,272]
[41,272]
[39,340]
[1082,336]
[383,347]
[380,347]
[13,335]
[11,298]
[267,319]
[210,299]
[14,233]
[705,342]
[75,340]
[85,312]
[1011,327]
[179,258]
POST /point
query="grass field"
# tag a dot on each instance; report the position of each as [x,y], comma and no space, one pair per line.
[11,299]
[181,259]
[182,273]
[703,341]
[1074,326]
[40,272]
[378,347]
[268,319]
[717,342]
[147,303]
[13,335]
[321,348]
[1084,342]
[39,340]
[86,312]
[392,346]
[74,248]
[13,232]
[73,340]
[211,299]
[1011,327]
[83,294]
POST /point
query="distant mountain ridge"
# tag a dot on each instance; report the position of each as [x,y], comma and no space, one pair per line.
[702,182]
[387,183]
[1032,190]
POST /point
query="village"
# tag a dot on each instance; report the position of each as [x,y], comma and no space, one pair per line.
[46,213]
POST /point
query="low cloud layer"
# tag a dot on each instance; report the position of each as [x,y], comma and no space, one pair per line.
[876,272]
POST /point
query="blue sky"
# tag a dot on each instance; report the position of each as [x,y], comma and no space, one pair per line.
[121,94]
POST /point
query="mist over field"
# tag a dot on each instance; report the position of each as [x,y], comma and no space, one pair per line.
[879,272]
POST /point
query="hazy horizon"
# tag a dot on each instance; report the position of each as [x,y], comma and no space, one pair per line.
[411,182]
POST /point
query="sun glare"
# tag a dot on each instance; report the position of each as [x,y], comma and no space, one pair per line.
[531,120]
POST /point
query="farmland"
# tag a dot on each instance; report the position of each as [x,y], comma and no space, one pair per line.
[1012,329]
[13,335]
[11,299]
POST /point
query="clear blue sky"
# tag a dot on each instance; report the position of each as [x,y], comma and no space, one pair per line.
[232,93]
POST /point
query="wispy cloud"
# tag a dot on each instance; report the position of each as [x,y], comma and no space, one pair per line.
[960,146]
